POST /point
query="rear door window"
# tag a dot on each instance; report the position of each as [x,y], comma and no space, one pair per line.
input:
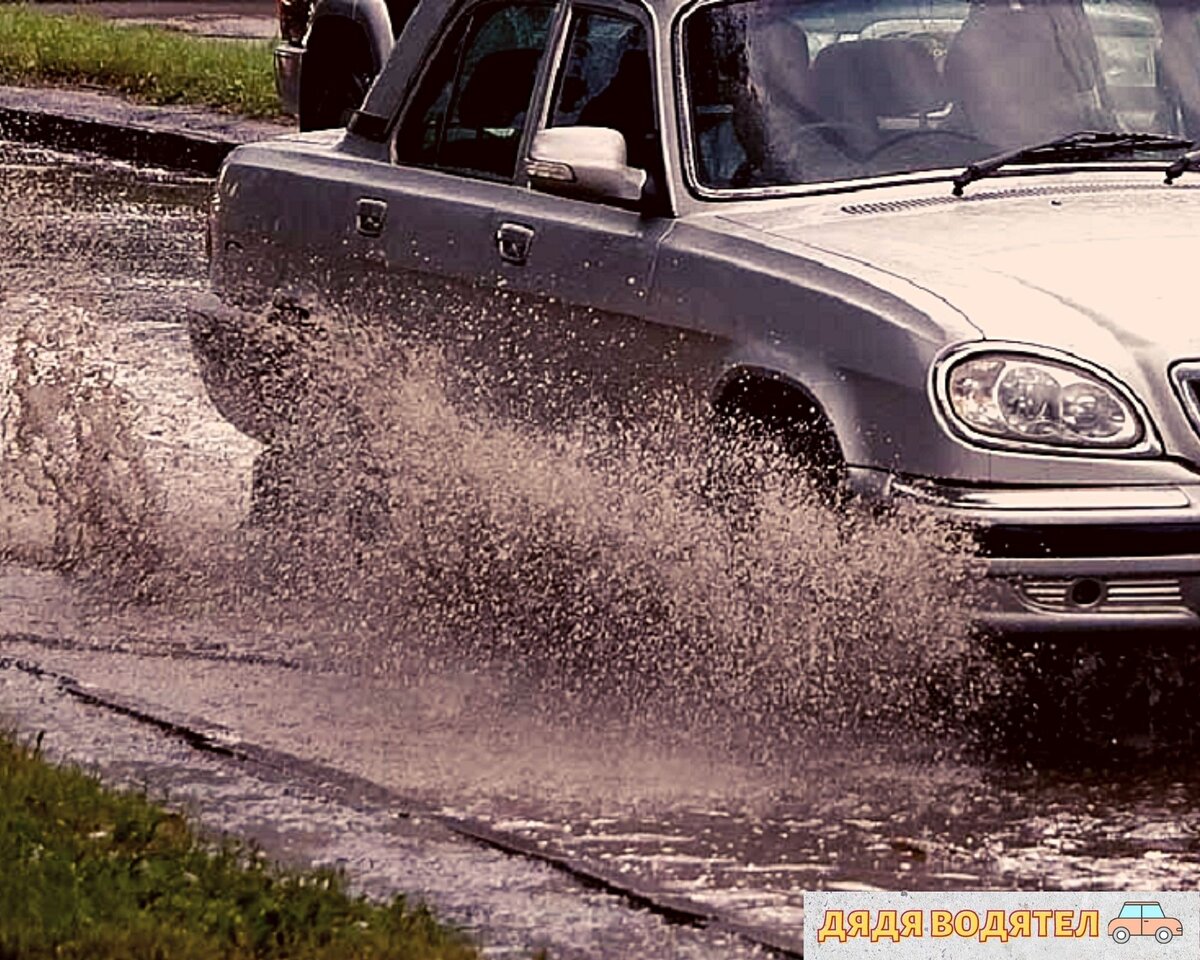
[473,102]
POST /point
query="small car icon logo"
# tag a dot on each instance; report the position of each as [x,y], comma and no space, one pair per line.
[1144,918]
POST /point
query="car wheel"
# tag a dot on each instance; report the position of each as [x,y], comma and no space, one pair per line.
[1121,935]
[764,425]
[742,459]
[1162,935]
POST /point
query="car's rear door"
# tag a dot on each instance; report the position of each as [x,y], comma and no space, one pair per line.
[427,224]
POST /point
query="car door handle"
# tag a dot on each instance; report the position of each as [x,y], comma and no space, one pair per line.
[370,218]
[513,241]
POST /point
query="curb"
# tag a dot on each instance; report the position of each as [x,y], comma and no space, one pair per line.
[341,786]
[160,148]
[194,140]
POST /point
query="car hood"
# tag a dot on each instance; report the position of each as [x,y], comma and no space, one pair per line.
[1101,269]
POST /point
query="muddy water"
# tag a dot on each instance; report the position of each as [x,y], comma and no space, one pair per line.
[552,633]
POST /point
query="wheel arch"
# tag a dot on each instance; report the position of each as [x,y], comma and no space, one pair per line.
[769,393]
[782,405]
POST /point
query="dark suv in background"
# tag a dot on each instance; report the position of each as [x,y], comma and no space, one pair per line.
[330,52]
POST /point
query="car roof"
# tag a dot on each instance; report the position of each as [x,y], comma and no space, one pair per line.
[425,25]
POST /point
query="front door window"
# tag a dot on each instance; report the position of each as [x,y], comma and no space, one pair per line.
[605,82]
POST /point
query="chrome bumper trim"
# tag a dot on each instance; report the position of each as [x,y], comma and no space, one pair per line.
[1139,548]
[1050,498]
[1102,567]
[1111,596]
[1011,623]
[289,59]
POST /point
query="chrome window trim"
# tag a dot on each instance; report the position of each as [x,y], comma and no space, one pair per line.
[916,178]
[1150,444]
[647,17]
[446,29]
[543,90]
[543,87]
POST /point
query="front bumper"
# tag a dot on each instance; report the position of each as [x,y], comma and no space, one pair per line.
[1073,559]
[289,58]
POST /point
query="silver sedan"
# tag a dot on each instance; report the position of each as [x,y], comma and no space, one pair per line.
[943,249]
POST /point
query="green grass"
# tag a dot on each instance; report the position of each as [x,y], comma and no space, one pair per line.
[149,63]
[86,872]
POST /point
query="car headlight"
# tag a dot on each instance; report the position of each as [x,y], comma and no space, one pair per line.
[1020,400]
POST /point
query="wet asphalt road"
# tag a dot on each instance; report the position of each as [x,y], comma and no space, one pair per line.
[735,819]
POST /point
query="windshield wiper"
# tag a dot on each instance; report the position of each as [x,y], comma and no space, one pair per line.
[1189,161]
[1082,146]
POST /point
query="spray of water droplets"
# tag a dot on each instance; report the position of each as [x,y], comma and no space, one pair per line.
[580,563]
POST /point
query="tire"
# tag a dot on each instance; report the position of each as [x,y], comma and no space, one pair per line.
[1162,935]
[338,72]
[1120,935]
[789,430]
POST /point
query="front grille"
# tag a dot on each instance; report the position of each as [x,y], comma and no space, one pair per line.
[1090,540]
[1130,595]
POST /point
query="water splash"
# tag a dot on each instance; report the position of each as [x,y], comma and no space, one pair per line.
[588,559]
[73,478]
[579,564]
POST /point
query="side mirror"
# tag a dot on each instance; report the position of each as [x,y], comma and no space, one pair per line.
[584,162]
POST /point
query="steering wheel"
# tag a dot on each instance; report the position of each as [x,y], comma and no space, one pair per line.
[842,134]
[907,135]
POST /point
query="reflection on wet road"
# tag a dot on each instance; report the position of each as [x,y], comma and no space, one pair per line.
[113,453]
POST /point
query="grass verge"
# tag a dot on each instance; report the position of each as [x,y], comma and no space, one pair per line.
[150,63]
[93,873]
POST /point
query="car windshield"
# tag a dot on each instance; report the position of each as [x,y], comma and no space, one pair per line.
[794,92]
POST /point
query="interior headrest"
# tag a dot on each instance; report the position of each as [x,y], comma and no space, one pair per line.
[860,80]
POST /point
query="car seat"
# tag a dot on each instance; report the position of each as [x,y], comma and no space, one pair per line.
[776,98]
[1020,75]
[1179,63]
[856,84]
[748,80]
